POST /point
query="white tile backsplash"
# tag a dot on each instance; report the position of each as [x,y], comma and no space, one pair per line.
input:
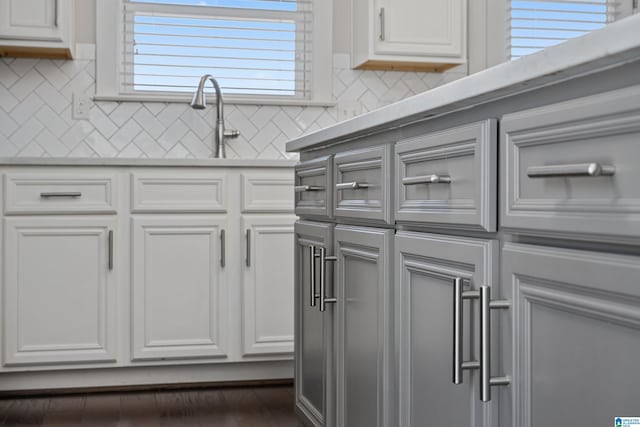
[36,105]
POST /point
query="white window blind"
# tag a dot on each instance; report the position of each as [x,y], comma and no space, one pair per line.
[537,24]
[254,48]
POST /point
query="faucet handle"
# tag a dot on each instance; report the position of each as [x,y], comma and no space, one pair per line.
[231,133]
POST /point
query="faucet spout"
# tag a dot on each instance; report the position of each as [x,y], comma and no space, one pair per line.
[199,102]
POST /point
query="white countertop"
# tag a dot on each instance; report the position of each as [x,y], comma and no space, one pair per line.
[234,163]
[613,45]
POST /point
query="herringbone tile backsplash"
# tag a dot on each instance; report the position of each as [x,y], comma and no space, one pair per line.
[36,114]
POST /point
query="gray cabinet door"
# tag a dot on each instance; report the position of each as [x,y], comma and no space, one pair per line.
[426,266]
[313,329]
[364,389]
[576,335]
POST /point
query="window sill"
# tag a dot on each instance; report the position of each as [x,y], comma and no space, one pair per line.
[228,100]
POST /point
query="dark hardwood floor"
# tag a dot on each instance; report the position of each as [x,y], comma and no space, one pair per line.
[261,406]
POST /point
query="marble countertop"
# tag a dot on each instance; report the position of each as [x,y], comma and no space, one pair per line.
[233,163]
[616,44]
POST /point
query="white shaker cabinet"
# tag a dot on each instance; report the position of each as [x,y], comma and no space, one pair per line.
[575,337]
[408,34]
[41,28]
[59,303]
[180,287]
[267,285]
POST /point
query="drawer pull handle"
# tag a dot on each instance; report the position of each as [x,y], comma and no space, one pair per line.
[459,365]
[65,194]
[312,275]
[223,250]
[427,179]
[247,259]
[352,185]
[323,280]
[304,188]
[486,380]
[110,253]
[577,169]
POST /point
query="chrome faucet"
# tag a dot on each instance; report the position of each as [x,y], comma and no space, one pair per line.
[199,102]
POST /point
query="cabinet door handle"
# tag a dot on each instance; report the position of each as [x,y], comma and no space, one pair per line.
[459,294]
[110,250]
[381,24]
[305,188]
[427,179]
[569,170]
[247,259]
[61,194]
[55,13]
[222,249]
[323,279]
[351,185]
[312,274]
[486,381]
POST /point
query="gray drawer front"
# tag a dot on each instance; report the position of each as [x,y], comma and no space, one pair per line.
[602,131]
[313,188]
[448,178]
[369,173]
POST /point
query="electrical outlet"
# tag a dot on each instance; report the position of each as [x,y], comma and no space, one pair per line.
[81,106]
[348,109]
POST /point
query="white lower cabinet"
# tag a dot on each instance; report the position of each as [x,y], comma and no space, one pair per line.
[179,287]
[59,290]
[136,268]
[267,285]
[431,339]
[575,337]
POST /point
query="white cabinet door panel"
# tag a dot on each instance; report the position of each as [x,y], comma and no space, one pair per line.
[267,321]
[179,289]
[59,293]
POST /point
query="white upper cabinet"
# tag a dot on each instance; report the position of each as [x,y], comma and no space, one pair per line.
[408,34]
[40,28]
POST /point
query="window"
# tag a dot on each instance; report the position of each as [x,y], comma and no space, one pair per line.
[258,50]
[537,24]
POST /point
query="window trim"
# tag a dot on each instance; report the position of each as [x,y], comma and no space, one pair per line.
[489,31]
[109,46]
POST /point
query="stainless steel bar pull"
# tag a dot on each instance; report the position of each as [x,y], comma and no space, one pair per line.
[427,179]
[61,194]
[323,279]
[381,24]
[305,188]
[486,381]
[351,185]
[247,259]
[458,296]
[312,274]
[110,250]
[223,257]
[569,170]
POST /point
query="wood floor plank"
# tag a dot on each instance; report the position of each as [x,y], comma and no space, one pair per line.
[177,409]
[139,410]
[279,403]
[26,412]
[102,410]
[254,406]
[247,408]
[213,409]
[64,411]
